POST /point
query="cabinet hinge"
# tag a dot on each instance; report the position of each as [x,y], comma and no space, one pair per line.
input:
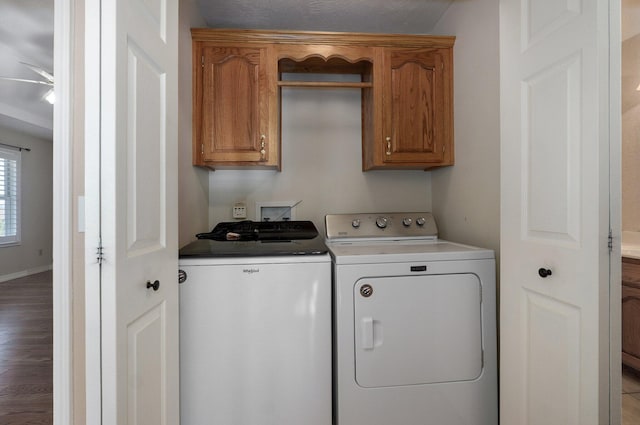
[202,60]
[202,149]
[610,243]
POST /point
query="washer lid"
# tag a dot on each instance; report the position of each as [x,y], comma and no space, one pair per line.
[401,251]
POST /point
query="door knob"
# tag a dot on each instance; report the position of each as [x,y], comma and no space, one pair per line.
[155,285]
[544,272]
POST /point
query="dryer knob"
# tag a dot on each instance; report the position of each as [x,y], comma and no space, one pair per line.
[407,222]
[420,221]
[381,222]
[355,223]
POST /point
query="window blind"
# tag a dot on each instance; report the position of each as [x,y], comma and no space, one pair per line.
[9,196]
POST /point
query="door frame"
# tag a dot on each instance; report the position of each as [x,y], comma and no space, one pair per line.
[62,214]
[614,288]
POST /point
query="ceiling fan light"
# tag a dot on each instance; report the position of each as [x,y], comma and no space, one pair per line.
[50,96]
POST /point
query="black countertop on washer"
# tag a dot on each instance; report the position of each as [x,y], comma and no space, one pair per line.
[206,248]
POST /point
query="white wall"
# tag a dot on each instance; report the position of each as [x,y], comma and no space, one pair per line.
[34,253]
[630,116]
[193,183]
[321,165]
[466,197]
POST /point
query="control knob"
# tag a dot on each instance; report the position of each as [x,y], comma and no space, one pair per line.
[355,223]
[420,221]
[381,222]
[407,222]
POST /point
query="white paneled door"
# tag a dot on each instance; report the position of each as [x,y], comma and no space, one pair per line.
[554,63]
[135,90]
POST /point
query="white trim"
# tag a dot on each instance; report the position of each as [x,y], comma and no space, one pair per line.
[62,216]
[27,272]
[93,349]
[615,214]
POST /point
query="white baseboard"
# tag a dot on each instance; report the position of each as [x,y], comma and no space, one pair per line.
[24,273]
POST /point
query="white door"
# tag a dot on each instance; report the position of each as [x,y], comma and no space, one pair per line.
[554,64]
[134,88]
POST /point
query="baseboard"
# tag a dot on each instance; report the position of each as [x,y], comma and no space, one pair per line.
[24,273]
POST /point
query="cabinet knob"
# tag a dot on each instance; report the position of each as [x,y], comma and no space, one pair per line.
[155,285]
[388,139]
[544,272]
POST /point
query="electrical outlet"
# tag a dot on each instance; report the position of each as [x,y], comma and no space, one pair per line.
[239,210]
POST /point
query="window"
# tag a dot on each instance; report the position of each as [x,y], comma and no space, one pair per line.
[9,196]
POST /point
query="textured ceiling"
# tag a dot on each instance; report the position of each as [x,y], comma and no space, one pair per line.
[26,35]
[382,16]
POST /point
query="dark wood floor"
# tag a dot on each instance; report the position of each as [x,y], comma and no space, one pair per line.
[26,350]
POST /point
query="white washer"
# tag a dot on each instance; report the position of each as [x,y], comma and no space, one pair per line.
[255,327]
[414,324]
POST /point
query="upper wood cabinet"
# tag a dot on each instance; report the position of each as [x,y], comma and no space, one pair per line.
[406,84]
[416,109]
[235,119]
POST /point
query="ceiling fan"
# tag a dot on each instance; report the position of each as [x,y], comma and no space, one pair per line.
[48,81]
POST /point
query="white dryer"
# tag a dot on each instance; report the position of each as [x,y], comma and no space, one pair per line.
[414,324]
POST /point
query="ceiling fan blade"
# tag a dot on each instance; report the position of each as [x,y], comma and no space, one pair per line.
[22,80]
[48,76]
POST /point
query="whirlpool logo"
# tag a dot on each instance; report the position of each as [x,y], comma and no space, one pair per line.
[250,271]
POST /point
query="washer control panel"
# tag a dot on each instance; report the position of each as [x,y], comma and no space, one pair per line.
[398,225]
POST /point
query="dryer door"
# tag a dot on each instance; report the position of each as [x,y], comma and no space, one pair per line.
[417,329]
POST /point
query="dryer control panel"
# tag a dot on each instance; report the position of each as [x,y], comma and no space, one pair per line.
[368,226]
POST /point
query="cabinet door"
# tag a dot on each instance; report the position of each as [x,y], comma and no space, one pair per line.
[630,326]
[235,107]
[417,107]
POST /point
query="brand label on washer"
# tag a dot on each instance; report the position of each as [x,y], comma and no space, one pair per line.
[250,271]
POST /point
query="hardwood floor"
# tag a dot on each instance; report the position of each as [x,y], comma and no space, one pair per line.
[26,350]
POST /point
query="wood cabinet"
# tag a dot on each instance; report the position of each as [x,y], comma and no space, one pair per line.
[235,123]
[416,109]
[631,312]
[406,83]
